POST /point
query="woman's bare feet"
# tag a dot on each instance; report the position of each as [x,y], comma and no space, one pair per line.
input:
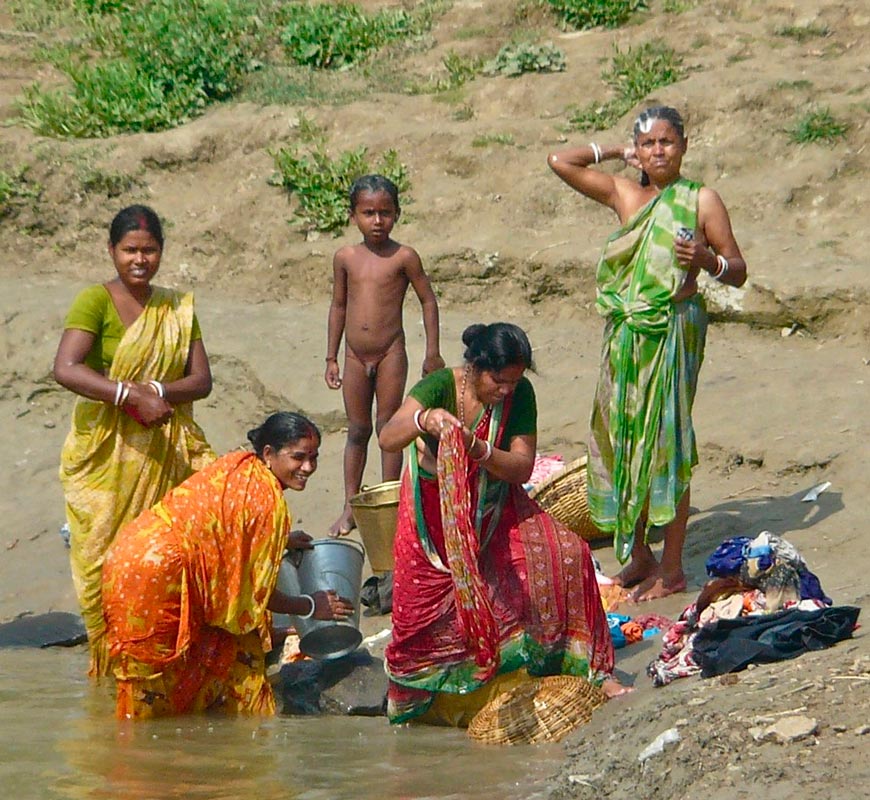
[657,586]
[343,525]
[613,688]
[637,571]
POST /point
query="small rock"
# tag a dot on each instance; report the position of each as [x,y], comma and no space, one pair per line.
[698,701]
[863,730]
[839,728]
[758,734]
[49,423]
[792,729]
[731,678]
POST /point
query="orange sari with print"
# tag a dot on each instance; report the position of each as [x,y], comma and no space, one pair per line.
[185,590]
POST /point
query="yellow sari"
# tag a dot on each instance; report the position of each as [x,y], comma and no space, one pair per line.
[112,467]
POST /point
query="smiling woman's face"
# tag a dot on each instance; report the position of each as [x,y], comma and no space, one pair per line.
[294,463]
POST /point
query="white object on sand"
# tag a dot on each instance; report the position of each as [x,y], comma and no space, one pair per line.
[813,494]
[657,745]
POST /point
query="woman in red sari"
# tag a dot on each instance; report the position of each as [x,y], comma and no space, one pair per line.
[485,582]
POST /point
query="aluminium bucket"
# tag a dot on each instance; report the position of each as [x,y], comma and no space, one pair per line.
[331,564]
[375,510]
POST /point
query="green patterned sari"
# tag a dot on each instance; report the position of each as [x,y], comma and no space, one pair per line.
[642,444]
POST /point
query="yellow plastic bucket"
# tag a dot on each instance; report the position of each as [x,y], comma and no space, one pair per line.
[375,510]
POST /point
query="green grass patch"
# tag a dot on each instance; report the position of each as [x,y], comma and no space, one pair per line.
[583,14]
[678,6]
[801,84]
[16,190]
[818,126]
[160,63]
[802,33]
[633,74]
[320,183]
[488,139]
[516,59]
[37,16]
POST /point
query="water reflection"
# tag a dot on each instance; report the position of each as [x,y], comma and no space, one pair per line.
[60,740]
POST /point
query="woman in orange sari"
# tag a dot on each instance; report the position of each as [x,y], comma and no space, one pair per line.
[188,585]
[485,582]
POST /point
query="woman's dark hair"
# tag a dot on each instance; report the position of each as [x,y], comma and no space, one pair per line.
[644,122]
[497,346]
[135,218]
[280,429]
[373,184]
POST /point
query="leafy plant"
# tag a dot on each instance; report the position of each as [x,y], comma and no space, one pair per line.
[321,183]
[161,62]
[336,36]
[95,180]
[678,6]
[582,14]
[515,59]
[14,189]
[818,125]
[633,74]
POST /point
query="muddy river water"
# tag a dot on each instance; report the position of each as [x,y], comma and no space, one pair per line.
[59,739]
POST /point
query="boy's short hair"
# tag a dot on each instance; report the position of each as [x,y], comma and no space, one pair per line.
[372,184]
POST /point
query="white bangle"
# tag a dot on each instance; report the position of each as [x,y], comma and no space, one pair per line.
[487,451]
[159,388]
[723,268]
[310,614]
[119,387]
[596,151]
[125,393]
[417,424]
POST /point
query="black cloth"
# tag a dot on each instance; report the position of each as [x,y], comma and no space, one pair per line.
[377,594]
[730,645]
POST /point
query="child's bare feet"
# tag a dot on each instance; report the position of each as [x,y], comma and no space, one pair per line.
[657,586]
[343,525]
[613,688]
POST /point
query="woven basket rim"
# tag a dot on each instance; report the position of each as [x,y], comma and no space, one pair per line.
[568,469]
[529,727]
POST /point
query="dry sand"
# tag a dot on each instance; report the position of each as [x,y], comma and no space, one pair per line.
[503,239]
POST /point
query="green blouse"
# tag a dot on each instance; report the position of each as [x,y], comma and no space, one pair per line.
[93,311]
[438,390]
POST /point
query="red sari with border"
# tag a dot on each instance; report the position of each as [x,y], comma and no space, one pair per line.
[485,583]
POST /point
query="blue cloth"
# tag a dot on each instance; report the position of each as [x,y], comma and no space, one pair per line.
[727,558]
[614,621]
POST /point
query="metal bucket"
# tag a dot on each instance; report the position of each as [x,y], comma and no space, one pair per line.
[375,510]
[332,564]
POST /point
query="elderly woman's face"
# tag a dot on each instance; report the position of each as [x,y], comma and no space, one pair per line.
[493,387]
[660,150]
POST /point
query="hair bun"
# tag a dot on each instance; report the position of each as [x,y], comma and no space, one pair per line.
[471,333]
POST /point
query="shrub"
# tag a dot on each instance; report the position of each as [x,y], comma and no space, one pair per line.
[321,183]
[15,189]
[818,125]
[515,59]
[582,14]
[633,74]
[161,62]
[336,36]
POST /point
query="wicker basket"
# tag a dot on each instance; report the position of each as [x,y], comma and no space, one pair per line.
[542,710]
[563,496]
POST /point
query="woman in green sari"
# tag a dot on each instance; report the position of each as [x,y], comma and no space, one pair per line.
[642,444]
[133,354]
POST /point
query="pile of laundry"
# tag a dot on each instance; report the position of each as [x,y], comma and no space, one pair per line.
[762,605]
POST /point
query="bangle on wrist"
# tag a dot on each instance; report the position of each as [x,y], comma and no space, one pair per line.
[487,450]
[310,614]
[119,387]
[159,388]
[417,424]
[331,358]
[722,270]
[596,152]
[125,393]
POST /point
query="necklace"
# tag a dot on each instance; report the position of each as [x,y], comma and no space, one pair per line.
[462,396]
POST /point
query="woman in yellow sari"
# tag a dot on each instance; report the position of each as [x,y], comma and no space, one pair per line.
[188,584]
[133,353]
